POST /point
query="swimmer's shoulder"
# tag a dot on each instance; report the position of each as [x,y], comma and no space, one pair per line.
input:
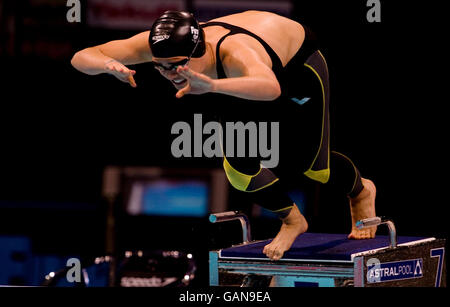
[237,18]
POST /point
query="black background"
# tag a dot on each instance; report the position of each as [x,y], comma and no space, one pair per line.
[60,128]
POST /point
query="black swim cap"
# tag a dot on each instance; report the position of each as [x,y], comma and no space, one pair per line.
[177,34]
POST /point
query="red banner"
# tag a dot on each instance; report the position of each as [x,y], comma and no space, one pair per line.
[128,14]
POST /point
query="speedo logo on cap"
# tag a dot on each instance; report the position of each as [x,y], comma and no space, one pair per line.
[158,38]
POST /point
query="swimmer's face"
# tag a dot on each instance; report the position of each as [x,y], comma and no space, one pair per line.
[168,69]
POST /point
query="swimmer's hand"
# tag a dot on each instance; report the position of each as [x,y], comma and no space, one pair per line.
[120,71]
[197,83]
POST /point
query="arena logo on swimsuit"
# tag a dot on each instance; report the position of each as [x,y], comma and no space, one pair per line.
[258,142]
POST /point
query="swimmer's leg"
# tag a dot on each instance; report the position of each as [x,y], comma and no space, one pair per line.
[361,193]
[294,224]
[361,207]
[264,188]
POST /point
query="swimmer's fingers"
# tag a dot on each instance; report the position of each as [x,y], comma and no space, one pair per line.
[185,90]
[199,83]
[188,73]
[121,72]
[131,79]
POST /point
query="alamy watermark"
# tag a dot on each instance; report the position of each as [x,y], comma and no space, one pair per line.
[373,268]
[74,13]
[234,144]
[74,273]
[374,13]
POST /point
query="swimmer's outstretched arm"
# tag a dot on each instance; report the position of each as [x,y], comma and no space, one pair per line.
[249,77]
[112,57]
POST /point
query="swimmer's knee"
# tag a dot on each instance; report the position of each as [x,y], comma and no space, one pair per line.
[249,183]
[238,180]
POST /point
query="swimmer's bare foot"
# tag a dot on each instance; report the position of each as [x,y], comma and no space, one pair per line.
[293,225]
[361,207]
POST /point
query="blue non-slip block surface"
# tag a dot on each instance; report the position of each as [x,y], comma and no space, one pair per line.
[316,246]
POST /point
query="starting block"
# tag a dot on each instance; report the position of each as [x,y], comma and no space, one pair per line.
[331,260]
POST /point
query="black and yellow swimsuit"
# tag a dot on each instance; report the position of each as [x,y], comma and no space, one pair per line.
[303,113]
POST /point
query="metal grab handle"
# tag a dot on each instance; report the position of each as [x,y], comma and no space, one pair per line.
[375,221]
[234,215]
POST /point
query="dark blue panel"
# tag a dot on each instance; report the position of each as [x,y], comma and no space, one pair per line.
[317,246]
[305,284]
